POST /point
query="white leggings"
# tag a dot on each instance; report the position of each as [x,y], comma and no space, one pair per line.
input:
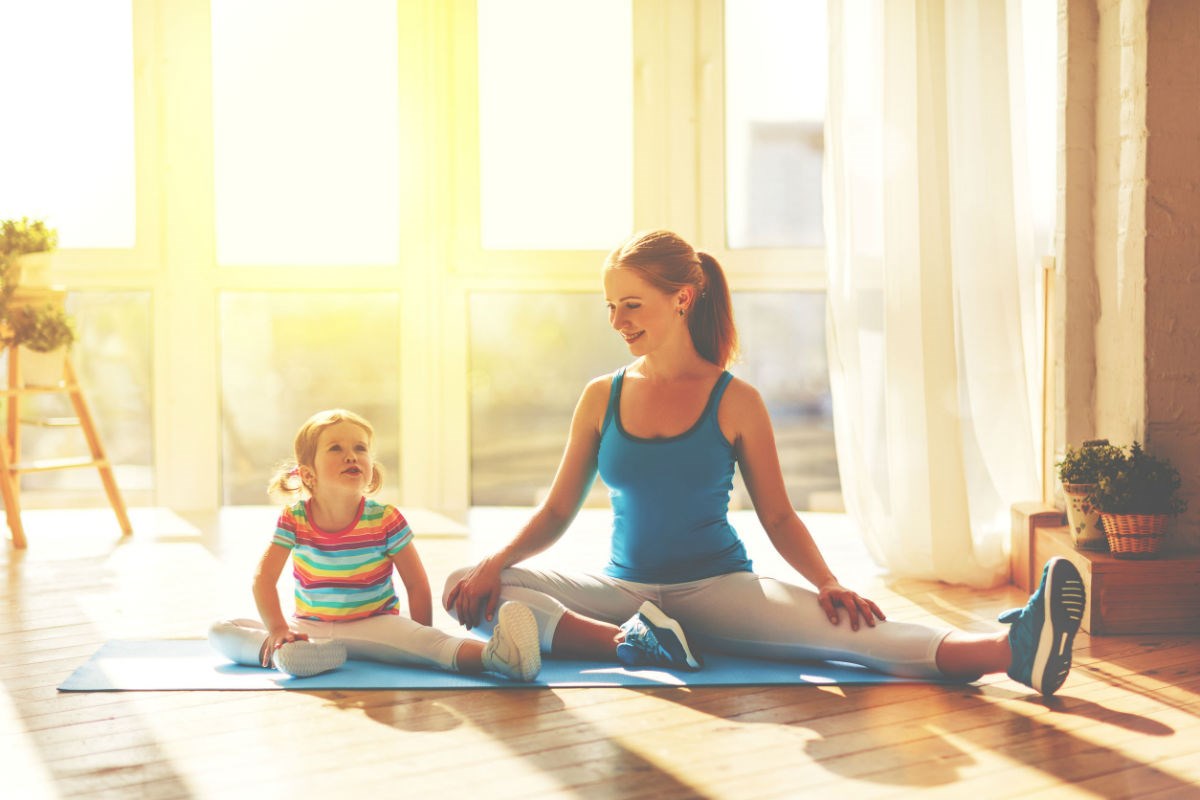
[390,638]
[739,613]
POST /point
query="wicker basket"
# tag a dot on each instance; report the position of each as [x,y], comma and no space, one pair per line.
[1135,535]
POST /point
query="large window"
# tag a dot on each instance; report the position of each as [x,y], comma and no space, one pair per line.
[269,207]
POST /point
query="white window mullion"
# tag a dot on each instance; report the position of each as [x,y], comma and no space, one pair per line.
[187,433]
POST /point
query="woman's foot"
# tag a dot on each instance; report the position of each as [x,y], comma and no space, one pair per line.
[654,639]
[515,649]
[1043,632]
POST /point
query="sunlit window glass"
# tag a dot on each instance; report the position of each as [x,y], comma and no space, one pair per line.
[555,123]
[783,355]
[521,410]
[285,356]
[306,132]
[112,357]
[67,130]
[775,75]
[521,407]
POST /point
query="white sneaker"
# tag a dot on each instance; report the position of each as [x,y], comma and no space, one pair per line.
[514,649]
[303,659]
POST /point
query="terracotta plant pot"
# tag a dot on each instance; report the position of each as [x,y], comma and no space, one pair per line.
[1083,520]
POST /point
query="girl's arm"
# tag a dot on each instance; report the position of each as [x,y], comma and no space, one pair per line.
[416,583]
[266,597]
[754,445]
[478,593]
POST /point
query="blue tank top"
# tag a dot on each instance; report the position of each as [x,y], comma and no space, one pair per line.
[670,498]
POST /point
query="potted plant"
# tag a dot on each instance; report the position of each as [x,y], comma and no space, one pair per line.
[25,246]
[43,334]
[1136,495]
[1080,471]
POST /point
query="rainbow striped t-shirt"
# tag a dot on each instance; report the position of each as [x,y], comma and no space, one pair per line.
[344,575]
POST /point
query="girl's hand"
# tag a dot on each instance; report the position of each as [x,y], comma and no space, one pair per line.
[833,594]
[277,640]
[476,595]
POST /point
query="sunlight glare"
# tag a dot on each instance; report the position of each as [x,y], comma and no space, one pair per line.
[68,124]
[556,144]
[306,132]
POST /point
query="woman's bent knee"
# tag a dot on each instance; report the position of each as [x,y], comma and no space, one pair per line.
[451,581]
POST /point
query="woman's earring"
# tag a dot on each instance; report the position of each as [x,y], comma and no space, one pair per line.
[681,311]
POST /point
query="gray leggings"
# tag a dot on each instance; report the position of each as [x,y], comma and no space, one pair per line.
[739,613]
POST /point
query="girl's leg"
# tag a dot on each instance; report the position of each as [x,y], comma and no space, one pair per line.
[239,640]
[242,642]
[748,614]
[390,639]
[577,615]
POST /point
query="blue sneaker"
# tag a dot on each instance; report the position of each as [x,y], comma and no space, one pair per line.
[652,639]
[1043,631]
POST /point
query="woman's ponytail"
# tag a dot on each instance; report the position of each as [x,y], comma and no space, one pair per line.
[711,318]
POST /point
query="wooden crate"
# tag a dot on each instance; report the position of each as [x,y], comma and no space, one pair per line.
[1125,596]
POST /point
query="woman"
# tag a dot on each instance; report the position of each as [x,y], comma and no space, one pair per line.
[665,433]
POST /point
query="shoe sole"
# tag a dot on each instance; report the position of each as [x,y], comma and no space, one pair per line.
[658,619]
[305,659]
[519,624]
[1063,600]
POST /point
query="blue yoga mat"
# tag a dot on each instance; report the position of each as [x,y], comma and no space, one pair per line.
[191,665]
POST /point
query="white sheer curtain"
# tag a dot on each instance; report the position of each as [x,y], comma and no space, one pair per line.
[932,269]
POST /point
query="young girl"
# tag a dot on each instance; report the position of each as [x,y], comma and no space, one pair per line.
[343,548]
[665,433]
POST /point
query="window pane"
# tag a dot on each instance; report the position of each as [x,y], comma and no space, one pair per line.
[112,358]
[531,356]
[306,132]
[555,123]
[69,116]
[783,355]
[521,410]
[775,76]
[285,356]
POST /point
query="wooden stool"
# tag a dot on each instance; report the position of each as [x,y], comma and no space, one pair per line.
[11,467]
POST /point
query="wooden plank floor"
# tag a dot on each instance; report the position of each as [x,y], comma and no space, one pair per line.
[1127,723]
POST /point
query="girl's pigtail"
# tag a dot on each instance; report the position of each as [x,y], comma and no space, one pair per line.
[286,486]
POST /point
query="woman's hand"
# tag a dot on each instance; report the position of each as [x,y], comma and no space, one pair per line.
[276,640]
[833,594]
[476,594]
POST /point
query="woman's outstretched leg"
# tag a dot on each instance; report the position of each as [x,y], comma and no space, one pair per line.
[752,615]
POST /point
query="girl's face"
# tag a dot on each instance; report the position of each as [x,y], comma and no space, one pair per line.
[343,459]
[644,315]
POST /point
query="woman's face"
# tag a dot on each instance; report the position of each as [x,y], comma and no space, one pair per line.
[643,315]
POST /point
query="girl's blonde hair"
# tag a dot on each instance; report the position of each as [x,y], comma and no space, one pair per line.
[669,264]
[286,485]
